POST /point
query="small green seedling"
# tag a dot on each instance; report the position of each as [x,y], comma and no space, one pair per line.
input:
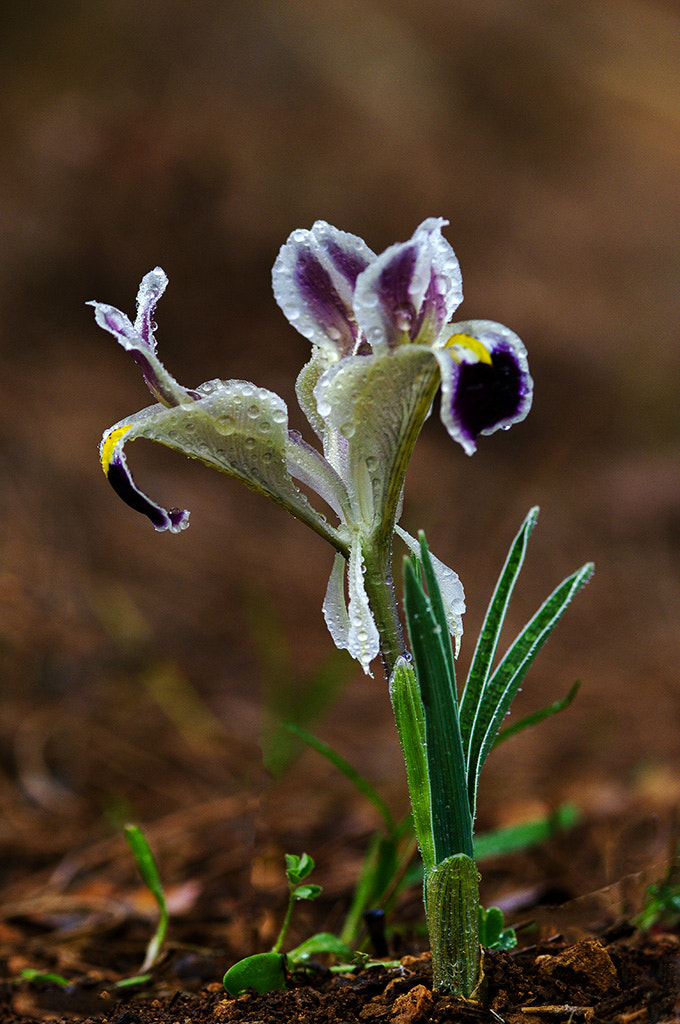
[492,931]
[266,972]
[146,864]
[661,907]
[34,976]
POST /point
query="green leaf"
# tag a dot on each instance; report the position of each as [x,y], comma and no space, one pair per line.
[529,833]
[263,972]
[297,868]
[307,892]
[451,818]
[31,974]
[500,690]
[146,864]
[322,942]
[536,716]
[487,644]
[452,902]
[492,931]
[410,718]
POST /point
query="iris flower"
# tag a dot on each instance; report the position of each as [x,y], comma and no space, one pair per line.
[383,344]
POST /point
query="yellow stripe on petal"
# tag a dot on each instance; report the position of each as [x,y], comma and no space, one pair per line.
[466,349]
[109,446]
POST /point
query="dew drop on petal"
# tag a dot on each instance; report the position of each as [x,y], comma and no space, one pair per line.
[403,317]
[279,416]
[253,411]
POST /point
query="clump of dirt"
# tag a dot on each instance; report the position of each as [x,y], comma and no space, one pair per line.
[607,981]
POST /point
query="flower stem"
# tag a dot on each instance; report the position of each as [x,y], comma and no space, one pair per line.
[380,592]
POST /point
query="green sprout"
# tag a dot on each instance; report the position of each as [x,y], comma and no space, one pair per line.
[148,869]
[266,972]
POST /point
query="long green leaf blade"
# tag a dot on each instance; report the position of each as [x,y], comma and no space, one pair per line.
[410,718]
[485,651]
[501,689]
[534,717]
[451,818]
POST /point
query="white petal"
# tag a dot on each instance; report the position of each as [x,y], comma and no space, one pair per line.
[453,595]
[352,628]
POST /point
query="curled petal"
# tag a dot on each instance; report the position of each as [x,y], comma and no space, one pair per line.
[352,627]
[235,427]
[410,291]
[314,277]
[377,405]
[453,595]
[138,338]
[486,384]
[117,473]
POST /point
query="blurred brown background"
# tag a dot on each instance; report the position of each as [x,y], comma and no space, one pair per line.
[197,136]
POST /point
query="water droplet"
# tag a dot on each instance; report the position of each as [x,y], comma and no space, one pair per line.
[225,423]
[279,416]
[347,429]
[266,456]
[264,426]
[250,443]
[253,411]
[371,462]
[403,317]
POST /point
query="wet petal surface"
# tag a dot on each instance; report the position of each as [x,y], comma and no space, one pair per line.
[483,394]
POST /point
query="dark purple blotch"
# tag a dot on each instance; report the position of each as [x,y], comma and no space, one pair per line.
[485,396]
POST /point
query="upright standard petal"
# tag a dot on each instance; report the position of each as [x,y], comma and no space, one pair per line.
[486,384]
[377,405]
[410,291]
[239,429]
[139,340]
[314,278]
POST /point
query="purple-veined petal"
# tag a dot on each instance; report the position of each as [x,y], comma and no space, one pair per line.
[377,405]
[453,595]
[235,427]
[139,340]
[314,277]
[410,291]
[482,394]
